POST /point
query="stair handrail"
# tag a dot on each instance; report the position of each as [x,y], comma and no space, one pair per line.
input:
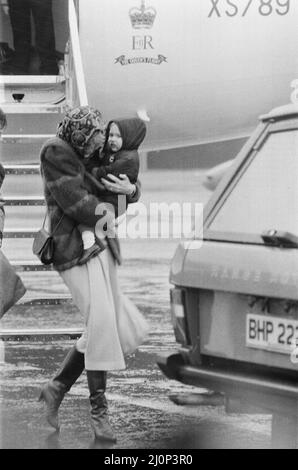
[76,90]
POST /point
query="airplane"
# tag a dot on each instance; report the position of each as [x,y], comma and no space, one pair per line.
[200,72]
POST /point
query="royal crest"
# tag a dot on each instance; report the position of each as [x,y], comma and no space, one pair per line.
[142,17]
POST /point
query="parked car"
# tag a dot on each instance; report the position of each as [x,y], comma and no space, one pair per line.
[234,300]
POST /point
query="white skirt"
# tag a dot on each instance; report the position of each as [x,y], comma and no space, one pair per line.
[95,291]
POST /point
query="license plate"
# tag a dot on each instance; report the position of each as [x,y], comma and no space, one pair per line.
[271,333]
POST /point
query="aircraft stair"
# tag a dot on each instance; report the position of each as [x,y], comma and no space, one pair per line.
[34,106]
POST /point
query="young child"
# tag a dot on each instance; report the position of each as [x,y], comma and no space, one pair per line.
[120,156]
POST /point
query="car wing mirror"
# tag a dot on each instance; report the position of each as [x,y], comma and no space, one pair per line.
[280,238]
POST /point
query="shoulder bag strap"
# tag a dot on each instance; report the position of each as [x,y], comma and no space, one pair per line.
[58,224]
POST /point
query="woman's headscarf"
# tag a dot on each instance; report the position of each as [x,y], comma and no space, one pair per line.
[78,126]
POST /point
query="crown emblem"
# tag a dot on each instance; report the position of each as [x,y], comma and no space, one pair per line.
[142,17]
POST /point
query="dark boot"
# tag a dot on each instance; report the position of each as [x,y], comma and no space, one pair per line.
[99,407]
[53,392]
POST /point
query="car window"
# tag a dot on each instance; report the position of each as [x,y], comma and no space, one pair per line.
[266,195]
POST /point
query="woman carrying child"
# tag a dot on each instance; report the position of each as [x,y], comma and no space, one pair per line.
[93,283]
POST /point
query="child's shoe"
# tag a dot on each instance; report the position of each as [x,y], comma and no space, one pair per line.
[89,253]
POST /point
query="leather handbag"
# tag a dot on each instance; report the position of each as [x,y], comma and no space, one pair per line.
[12,288]
[43,243]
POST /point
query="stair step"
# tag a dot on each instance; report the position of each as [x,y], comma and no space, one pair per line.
[22,169]
[34,108]
[24,201]
[31,266]
[24,138]
[19,233]
[40,334]
[12,80]
[46,299]
[18,124]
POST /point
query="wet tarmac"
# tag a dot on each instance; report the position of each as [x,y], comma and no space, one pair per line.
[141,413]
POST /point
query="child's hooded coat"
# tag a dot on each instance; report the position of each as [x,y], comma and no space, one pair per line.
[126,161]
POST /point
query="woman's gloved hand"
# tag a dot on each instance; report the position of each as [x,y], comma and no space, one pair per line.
[120,185]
